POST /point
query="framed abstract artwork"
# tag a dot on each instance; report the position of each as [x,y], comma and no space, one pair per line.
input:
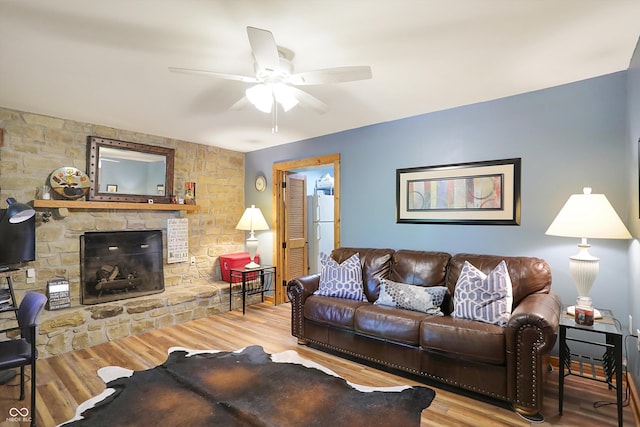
[477,193]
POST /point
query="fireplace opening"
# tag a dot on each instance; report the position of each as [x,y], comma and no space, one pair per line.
[120,264]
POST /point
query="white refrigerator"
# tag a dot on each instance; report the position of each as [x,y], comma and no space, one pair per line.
[321,229]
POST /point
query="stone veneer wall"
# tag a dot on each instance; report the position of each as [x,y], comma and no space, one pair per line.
[35,145]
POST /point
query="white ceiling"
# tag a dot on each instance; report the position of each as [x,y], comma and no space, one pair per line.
[105,62]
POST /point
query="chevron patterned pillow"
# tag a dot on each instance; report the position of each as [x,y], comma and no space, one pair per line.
[482,297]
[341,280]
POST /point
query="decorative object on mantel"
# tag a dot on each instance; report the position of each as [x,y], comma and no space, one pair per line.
[69,182]
[223,388]
[252,220]
[190,193]
[587,216]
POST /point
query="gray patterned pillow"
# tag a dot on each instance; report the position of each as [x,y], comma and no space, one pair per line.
[411,297]
[487,298]
[341,280]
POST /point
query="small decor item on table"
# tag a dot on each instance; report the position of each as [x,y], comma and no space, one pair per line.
[190,193]
[70,182]
[584,311]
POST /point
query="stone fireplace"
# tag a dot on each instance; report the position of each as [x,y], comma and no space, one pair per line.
[120,264]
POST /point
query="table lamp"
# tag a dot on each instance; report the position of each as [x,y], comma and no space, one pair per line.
[252,220]
[587,216]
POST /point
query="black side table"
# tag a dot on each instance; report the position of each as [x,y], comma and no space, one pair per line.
[611,360]
[252,281]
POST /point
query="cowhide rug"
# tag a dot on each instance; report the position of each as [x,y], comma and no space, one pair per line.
[245,388]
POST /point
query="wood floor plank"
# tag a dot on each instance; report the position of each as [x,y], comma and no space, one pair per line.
[66,380]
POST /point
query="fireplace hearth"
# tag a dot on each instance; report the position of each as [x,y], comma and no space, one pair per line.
[120,264]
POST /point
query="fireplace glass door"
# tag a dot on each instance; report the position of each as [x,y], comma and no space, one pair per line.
[121,264]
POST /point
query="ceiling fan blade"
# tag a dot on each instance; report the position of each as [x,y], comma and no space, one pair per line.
[264,48]
[237,77]
[240,104]
[309,100]
[332,75]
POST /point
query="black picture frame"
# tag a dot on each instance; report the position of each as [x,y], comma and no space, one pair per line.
[473,193]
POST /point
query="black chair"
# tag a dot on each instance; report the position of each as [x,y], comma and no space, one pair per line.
[22,351]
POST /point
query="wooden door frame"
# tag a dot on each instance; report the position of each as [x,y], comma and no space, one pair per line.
[278,177]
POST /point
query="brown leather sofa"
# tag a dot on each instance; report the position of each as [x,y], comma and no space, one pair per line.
[504,363]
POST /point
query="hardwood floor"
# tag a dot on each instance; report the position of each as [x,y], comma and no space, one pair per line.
[65,381]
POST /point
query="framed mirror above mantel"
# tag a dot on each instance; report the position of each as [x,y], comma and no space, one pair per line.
[122,171]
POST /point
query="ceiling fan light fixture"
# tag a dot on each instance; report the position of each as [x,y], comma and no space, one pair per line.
[285,96]
[261,96]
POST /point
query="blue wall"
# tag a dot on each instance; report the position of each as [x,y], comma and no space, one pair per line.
[568,137]
[633,301]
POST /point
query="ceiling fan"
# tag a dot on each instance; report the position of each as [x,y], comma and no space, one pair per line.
[275,82]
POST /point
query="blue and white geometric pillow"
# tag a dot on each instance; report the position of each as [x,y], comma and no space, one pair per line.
[341,280]
[411,297]
[487,298]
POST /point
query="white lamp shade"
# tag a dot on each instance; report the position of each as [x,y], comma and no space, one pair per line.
[588,216]
[252,220]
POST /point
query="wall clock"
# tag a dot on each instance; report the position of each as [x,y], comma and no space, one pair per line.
[261,183]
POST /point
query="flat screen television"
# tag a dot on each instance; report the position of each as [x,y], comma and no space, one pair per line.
[17,241]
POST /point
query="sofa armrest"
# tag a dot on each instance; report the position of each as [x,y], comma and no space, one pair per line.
[531,333]
[298,290]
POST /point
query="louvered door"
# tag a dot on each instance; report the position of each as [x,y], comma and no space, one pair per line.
[296,261]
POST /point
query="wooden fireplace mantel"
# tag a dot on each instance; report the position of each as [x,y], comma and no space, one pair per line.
[82,204]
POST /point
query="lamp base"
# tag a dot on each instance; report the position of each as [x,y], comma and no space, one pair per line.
[252,265]
[572,311]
